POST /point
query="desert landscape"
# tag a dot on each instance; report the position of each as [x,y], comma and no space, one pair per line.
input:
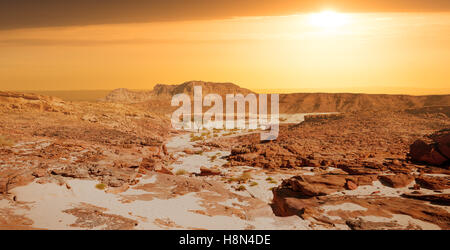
[341,161]
[225,123]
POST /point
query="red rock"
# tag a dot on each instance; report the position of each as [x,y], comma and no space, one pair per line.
[316,185]
[350,185]
[3,185]
[164,170]
[118,190]
[358,170]
[443,143]
[362,180]
[148,163]
[189,151]
[287,202]
[420,151]
[40,173]
[361,224]
[442,199]
[204,171]
[396,181]
[433,183]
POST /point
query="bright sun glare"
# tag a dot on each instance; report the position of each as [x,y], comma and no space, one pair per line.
[328,19]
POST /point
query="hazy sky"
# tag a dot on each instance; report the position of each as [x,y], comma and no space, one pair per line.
[354,47]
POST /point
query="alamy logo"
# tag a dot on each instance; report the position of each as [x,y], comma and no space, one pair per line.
[194,119]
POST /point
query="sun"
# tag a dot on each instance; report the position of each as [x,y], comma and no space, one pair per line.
[328,19]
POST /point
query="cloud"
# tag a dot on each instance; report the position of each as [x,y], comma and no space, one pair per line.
[16,14]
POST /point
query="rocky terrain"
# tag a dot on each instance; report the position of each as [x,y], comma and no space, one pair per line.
[369,164]
[117,164]
[43,134]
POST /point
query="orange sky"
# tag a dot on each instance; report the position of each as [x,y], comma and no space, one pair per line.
[381,52]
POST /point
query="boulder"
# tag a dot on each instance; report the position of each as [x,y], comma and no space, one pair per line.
[350,185]
[421,151]
[319,185]
[396,181]
[443,143]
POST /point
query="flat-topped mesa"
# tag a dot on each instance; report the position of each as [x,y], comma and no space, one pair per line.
[166,91]
[209,87]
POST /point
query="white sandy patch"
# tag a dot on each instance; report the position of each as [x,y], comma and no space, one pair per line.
[48,201]
[192,163]
[148,179]
[348,206]
[179,143]
[262,189]
[4,203]
[233,202]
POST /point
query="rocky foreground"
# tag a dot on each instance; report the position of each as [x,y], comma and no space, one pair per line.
[368,164]
[118,165]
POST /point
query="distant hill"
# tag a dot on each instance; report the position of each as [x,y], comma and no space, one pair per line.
[128,96]
[346,102]
[159,98]
[73,95]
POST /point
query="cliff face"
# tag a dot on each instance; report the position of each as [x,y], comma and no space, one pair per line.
[289,103]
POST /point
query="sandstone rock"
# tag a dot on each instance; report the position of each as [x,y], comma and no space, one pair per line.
[112,181]
[204,171]
[38,173]
[148,163]
[362,180]
[350,185]
[189,151]
[358,170]
[71,171]
[287,202]
[396,181]
[118,190]
[316,185]
[164,170]
[361,224]
[442,139]
[420,151]
[433,183]
[3,185]
[441,199]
